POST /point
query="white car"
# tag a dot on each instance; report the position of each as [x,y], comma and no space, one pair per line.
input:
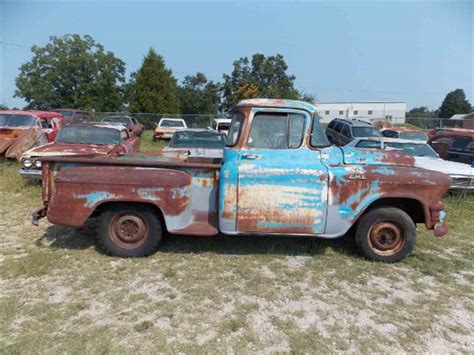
[167,127]
[425,157]
[221,125]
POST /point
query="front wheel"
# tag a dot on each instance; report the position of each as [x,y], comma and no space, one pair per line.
[129,230]
[385,234]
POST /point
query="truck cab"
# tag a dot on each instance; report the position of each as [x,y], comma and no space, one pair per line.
[279,176]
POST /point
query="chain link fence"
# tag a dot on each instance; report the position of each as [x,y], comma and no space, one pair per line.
[150,120]
[432,122]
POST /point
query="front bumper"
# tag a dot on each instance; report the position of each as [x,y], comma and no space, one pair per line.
[438,219]
[30,174]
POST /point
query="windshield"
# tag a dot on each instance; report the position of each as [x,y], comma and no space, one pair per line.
[13,120]
[189,139]
[88,135]
[171,123]
[122,120]
[417,150]
[365,132]
[414,135]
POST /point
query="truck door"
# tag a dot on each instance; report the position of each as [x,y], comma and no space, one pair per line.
[282,183]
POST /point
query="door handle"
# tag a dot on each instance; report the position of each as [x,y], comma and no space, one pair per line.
[250,156]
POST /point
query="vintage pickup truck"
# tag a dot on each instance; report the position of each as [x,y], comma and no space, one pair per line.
[279,176]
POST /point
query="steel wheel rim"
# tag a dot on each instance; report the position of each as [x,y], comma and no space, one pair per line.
[386,238]
[128,230]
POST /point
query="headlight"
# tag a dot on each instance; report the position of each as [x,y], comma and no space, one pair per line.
[38,164]
[27,163]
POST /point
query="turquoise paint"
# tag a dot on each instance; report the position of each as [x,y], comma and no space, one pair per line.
[94,198]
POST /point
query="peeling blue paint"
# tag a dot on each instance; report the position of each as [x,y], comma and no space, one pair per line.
[94,198]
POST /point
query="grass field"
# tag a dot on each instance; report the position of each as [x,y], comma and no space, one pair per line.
[60,293]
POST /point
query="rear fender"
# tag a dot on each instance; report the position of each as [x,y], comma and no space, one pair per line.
[80,190]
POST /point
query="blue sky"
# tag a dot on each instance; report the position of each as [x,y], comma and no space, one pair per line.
[339,51]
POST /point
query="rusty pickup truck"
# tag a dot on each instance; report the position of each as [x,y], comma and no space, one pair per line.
[279,176]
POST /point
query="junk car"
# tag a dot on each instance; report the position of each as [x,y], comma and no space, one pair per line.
[22,130]
[80,139]
[130,122]
[462,175]
[279,176]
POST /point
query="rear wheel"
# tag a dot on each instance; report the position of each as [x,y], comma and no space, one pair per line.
[385,234]
[129,230]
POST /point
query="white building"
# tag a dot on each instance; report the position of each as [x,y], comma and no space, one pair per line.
[393,111]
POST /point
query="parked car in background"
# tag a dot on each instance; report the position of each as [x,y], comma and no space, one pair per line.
[437,131]
[22,130]
[74,115]
[221,124]
[455,145]
[341,131]
[462,175]
[167,127]
[130,122]
[81,139]
[405,133]
[198,142]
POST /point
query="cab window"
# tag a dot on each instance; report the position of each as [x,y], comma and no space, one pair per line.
[277,131]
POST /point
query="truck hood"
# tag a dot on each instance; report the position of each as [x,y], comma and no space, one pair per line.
[362,156]
[444,166]
[69,149]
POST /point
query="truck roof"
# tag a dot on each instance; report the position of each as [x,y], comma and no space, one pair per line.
[278,103]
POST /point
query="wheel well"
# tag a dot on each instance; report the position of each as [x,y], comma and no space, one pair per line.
[412,207]
[98,210]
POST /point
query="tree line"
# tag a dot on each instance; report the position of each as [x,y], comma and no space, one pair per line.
[77,72]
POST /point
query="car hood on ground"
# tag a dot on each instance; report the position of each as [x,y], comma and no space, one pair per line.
[444,166]
[69,149]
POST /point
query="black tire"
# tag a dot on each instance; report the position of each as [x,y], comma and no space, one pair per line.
[129,231]
[385,234]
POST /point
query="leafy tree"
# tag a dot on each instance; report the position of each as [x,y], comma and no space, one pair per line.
[153,88]
[3,106]
[422,112]
[72,71]
[260,77]
[454,102]
[198,95]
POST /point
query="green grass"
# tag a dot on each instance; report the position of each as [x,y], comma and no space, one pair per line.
[60,293]
[148,145]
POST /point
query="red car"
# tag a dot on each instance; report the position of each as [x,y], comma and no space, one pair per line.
[22,130]
[130,122]
[455,145]
[441,130]
[74,115]
[81,139]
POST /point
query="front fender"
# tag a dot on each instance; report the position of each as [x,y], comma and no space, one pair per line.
[353,188]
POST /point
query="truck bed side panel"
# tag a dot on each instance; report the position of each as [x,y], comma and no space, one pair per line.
[79,190]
